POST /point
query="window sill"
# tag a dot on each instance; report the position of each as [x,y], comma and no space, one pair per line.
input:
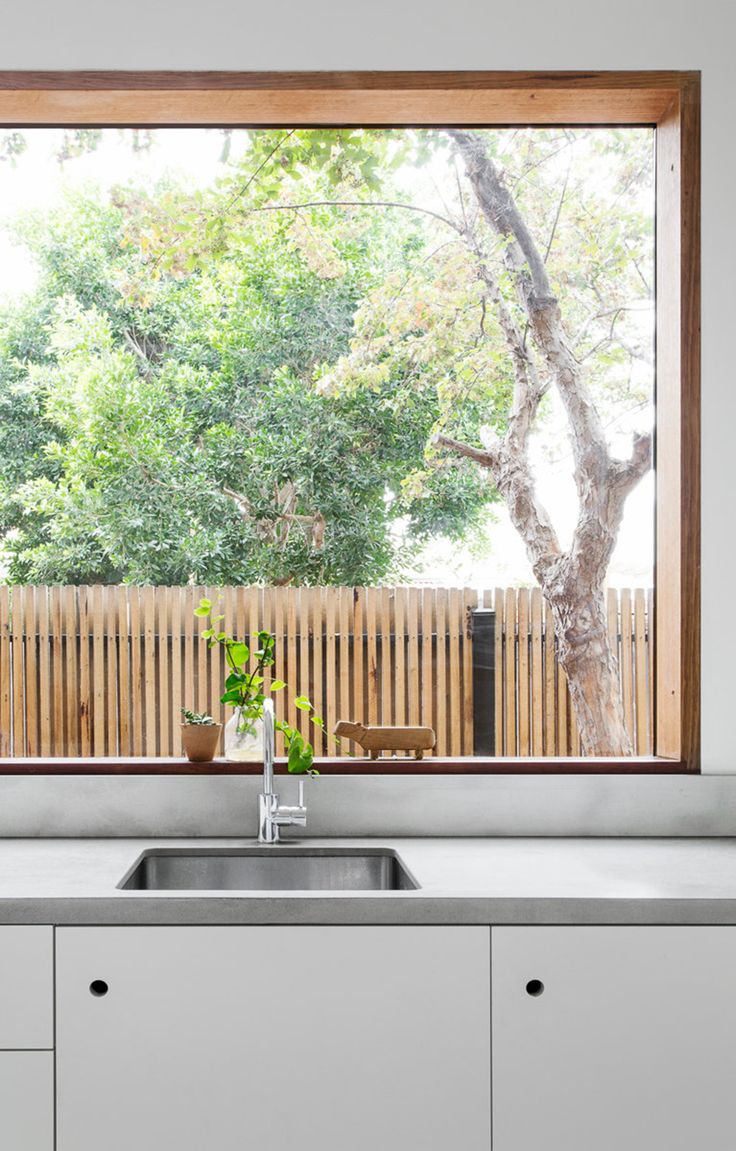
[462,765]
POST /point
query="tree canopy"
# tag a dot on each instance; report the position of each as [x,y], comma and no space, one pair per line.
[244,383]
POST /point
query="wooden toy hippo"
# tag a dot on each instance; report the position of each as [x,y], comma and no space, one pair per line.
[377,739]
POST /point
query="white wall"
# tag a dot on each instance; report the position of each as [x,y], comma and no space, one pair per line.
[464,34]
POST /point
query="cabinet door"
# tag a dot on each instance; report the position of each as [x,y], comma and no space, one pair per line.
[270,1038]
[630,1042]
[26,987]
[26,1100]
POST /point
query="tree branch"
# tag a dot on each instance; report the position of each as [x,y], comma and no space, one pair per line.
[527,266]
[499,207]
[626,474]
[358,204]
[485,458]
[515,482]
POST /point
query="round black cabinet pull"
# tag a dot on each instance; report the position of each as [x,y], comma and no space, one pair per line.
[98,987]
[534,987]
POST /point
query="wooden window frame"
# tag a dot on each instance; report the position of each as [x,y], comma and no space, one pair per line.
[667,101]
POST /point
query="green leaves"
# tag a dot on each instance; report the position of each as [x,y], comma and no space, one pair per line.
[197,718]
[238,653]
[301,755]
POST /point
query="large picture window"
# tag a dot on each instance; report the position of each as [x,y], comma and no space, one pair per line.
[386,393]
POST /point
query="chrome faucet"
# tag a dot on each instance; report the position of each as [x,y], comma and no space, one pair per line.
[271,815]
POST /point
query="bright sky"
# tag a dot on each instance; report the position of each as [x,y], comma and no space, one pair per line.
[38,181]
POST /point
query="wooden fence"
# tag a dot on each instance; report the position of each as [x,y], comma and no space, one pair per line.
[104,670]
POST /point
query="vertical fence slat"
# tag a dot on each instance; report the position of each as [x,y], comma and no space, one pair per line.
[427,689]
[318,696]
[455,673]
[149,671]
[43,623]
[6,746]
[650,668]
[19,687]
[266,623]
[85,672]
[330,703]
[359,654]
[522,610]
[124,692]
[188,632]
[31,671]
[136,670]
[386,659]
[550,694]
[400,715]
[627,665]
[110,617]
[98,672]
[58,689]
[279,667]
[346,706]
[441,671]
[640,660]
[498,702]
[292,671]
[174,612]
[537,678]
[413,688]
[509,672]
[163,626]
[470,601]
[201,662]
[70,628]
[306,669]
[371,653]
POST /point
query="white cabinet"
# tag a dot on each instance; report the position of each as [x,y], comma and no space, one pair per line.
[630,1043]
[325,1038]
[26,987]
[26,1100]
[26,1021]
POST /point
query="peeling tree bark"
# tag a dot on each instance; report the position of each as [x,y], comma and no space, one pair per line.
[572,581]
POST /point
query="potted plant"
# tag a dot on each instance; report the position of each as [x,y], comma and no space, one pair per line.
[244,683]
[200,736]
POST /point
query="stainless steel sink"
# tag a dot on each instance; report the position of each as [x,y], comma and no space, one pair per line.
[269,869]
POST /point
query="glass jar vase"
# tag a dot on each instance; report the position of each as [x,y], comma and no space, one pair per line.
[243,738]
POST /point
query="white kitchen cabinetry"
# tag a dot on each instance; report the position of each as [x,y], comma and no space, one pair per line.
[607,1038]
[26,1100]
[325,1038]
[26,988]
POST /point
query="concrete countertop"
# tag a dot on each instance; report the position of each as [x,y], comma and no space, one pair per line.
[489,881]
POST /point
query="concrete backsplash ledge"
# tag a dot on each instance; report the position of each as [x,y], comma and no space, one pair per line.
[108,805]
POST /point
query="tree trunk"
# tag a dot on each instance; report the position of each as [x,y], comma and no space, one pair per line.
[572,581]
[591,668]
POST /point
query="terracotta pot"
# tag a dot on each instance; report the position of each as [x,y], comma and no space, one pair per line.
[200,741]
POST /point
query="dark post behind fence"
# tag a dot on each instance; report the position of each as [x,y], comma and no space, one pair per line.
[483,631]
